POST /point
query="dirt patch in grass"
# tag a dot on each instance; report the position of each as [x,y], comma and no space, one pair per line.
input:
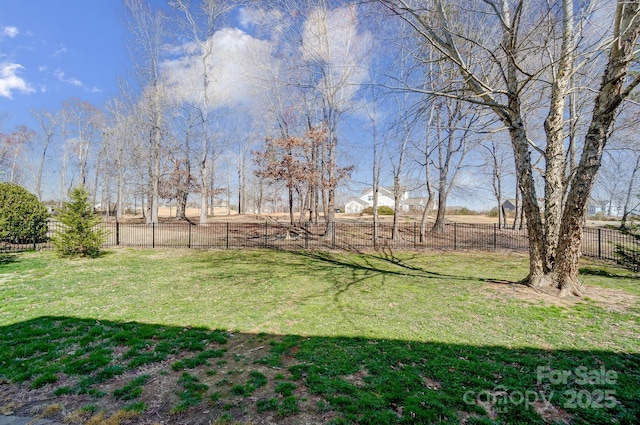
[552,414]
[607,298]
[226,389]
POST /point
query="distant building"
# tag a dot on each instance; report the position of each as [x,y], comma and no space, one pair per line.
[385,198]
[509,205]
[602,207]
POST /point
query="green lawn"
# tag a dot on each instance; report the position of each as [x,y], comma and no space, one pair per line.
[317,337]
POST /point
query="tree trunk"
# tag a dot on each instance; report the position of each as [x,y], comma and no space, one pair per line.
[626,209]
[612,92]
[554,189]
[530,205]
[43,157]
[155,183]
[119,195]
[290,189]
[431,200]
[438,225]
[204,195]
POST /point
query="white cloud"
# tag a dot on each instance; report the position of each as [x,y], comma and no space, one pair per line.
[246,17]
[255,16]
[10,81]
[61,51]
[11,32]
[61,77]
[234,66]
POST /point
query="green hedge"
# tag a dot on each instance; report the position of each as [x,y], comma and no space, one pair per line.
[382,210]
[22,216]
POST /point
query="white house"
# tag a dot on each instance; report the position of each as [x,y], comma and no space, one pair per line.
[606,208]
[385,198]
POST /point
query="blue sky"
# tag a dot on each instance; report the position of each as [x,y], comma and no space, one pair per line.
[53,50]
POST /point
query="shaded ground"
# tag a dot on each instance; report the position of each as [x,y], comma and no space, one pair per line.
[268,379]
[235,382]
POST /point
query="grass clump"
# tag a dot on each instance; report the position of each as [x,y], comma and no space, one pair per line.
[133,389]
[42,380]
[285,389]
[255,380]
[137,407]
[192,394]
[285,407]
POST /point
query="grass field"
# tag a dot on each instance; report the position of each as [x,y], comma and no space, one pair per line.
[171,336]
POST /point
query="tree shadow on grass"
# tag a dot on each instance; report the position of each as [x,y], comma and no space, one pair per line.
[195,375]
[381,262]
[608,272]
[7,258]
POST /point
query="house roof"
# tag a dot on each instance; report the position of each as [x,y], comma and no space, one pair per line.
[598,202]
[382,190]
[357,201]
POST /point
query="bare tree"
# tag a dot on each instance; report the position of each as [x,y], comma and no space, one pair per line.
[334,53]
[82,126]
[376,161]
[15,145]
[119,133]
[496,162]
[617,181]
[454,122]
[425,155]
[149,30]
[48,122]
[179,182]
[631,203]
[518,49]
[329,58]
[201,22]
[397,146]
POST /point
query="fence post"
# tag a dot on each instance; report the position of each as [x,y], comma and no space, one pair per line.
[35,235]
[415,235]
[374,232]
[333,236]
[153,235]
[266,233]
[495,236]
[189,242]
[227,235]
[117,233]
[306,235]
[455,236]
[599,243]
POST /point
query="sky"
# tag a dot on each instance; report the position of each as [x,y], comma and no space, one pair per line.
[53,50]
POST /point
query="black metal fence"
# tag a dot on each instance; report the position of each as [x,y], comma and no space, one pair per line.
[596,243]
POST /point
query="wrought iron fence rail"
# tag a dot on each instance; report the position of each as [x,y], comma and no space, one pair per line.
[596,243]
